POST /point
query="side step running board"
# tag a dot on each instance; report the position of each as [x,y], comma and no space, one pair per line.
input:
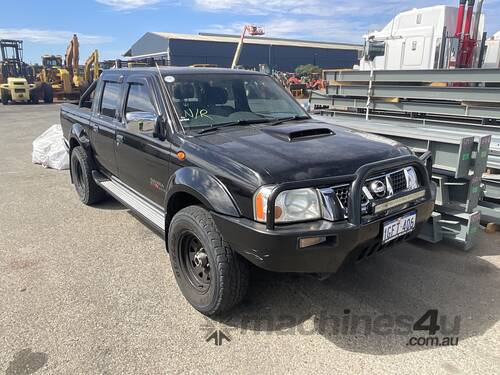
[142,206]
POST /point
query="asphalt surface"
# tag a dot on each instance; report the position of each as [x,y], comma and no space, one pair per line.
[89,290]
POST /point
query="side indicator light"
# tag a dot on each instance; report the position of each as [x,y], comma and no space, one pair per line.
[181,155]
[260,215]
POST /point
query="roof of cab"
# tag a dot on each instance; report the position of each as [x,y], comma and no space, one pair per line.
[181,70]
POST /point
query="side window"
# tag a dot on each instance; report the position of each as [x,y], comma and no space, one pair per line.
[138,99]
[110,99]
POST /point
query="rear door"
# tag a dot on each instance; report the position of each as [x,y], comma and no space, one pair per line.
[143,159]
[104,121]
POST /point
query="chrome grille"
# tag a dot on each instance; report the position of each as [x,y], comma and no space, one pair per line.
[398,181]
[342,193]
[364,199]
[395,181]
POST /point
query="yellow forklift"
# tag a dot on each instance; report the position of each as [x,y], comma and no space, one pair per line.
[17,78]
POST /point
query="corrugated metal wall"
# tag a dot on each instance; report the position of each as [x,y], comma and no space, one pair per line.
[283,58]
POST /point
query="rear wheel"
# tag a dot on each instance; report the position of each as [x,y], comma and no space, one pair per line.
[211,276]
[81,172]
[48,93]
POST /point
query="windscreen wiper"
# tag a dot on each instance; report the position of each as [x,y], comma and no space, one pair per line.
[290,118]
[216,127]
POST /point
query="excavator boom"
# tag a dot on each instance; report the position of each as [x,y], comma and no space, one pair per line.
[91,69]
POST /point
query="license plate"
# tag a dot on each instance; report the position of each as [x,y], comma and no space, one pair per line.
[399,227]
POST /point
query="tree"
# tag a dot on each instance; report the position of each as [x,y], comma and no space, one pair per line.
[306,70]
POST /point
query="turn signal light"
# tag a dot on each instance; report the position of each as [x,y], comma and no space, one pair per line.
[260,207]
[181,155]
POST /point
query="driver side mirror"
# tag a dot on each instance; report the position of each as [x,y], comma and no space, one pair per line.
[146,123]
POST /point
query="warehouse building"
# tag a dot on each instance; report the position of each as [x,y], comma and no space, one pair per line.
[279,54]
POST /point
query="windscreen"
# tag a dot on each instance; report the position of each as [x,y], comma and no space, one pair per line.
[208,100]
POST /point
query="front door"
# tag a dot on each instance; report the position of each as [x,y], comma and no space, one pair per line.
[143,159]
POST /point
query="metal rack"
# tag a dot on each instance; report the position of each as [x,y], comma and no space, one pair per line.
[436,75]
[453,113]
[463,94]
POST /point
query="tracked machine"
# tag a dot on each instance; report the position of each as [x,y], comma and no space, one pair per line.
[63,76]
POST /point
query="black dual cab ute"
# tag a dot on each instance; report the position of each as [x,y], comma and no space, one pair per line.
[232,171]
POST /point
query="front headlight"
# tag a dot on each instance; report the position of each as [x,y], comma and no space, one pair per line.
[290,205]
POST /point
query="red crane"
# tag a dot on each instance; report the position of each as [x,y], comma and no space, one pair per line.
[251,30]
[467,41]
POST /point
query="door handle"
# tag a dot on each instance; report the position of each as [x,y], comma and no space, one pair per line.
[119,138]
[94,127]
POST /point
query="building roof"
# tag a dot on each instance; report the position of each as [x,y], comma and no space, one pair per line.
[258,40]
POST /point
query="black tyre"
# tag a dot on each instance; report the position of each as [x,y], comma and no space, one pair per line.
[211,276]
[48,93]
[5,97]
[81,172]
[34,96]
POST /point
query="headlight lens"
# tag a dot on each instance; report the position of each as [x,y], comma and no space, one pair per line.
[290,206]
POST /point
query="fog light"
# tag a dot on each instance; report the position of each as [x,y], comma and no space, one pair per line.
[310,241]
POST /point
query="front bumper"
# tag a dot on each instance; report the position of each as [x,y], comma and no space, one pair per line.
[278,249]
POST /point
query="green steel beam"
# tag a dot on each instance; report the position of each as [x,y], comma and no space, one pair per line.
[452,153]
[463,94]
[438,75]
[409,107]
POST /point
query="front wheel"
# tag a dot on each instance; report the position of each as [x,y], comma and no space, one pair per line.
[5,97]
[211,276]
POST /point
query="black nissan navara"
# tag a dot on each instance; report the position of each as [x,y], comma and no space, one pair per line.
[232,171]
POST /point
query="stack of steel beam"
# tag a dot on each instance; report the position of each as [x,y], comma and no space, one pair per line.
[453,113]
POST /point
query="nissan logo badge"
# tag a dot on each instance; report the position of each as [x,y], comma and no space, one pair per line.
[378,188]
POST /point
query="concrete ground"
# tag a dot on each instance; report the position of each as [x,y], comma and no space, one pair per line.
[89,290]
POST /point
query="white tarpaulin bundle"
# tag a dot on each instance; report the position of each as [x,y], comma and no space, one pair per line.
[49,150]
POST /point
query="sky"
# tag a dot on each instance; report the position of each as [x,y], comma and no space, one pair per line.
[112,26]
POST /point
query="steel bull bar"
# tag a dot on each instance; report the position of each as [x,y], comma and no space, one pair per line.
[423,165]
